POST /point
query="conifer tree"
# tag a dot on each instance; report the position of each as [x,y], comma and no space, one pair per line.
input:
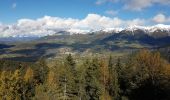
[113,83]
[41,72]
[70,63]
[92,82]
[69,77]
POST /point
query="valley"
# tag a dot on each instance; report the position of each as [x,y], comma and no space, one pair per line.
[117,42]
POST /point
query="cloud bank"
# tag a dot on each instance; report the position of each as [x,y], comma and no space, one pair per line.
[161,18]
[136,5]
[48,25]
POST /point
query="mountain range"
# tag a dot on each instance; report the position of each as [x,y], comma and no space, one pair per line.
[150,30]
[116,40]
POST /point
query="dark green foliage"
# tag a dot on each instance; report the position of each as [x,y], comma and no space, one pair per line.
[70,62]
[41,71]
[13,65]
[69,77]
[144,75]
[92,86]
[114,79]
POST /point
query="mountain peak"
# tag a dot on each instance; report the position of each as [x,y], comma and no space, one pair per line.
[147,29]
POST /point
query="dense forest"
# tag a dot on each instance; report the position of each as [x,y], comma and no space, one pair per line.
[143,75]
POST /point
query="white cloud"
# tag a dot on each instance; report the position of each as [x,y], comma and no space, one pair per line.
[51,25]
[14,5]
[134,22]
[161,18]
[96,22]
[136,5]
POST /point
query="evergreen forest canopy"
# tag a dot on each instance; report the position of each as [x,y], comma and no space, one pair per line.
[143,75]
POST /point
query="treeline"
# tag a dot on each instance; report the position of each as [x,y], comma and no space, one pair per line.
[144,75]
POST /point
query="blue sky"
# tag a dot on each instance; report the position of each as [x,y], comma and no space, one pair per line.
[13,10]
[44,17]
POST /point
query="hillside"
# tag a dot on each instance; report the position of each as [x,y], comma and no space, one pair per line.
[124,41]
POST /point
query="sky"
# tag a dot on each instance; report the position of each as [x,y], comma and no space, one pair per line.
[41,17]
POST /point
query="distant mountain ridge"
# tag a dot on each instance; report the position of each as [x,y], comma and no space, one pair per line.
[108,40]
[147,29]
[155,31]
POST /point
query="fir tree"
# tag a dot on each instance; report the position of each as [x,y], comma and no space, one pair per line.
[41,72]
[92,85]
[113,84]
